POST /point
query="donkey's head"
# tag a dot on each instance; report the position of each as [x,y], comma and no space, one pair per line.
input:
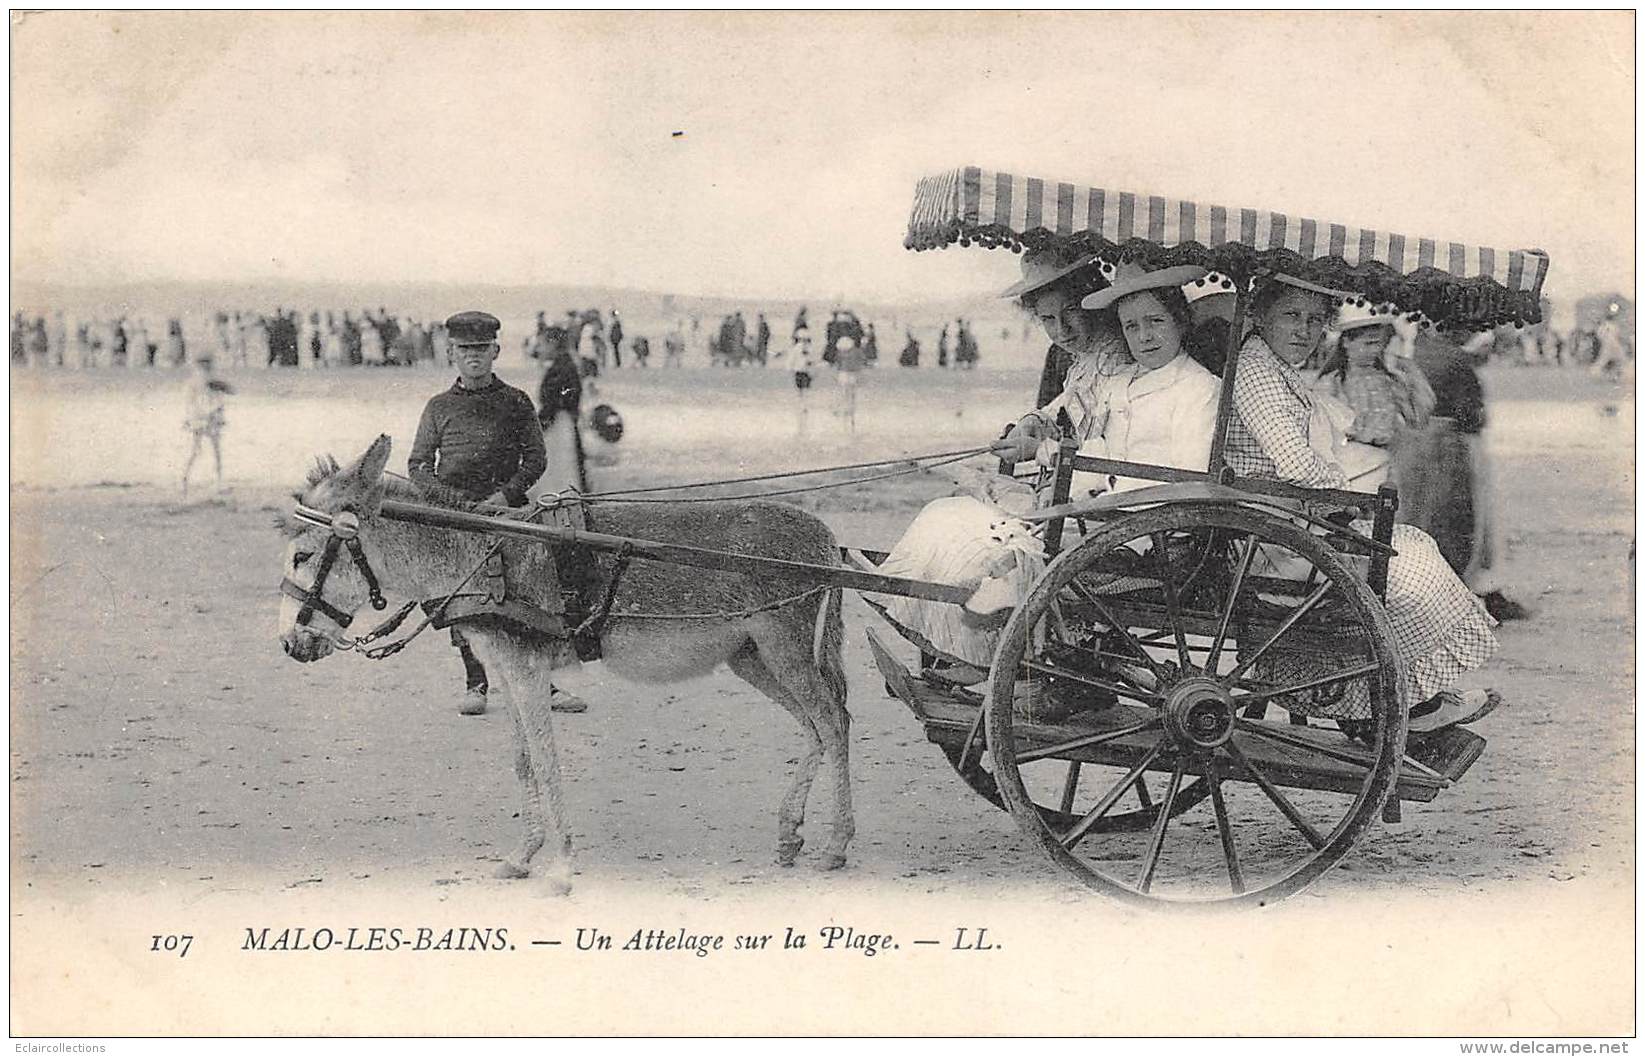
[326,568]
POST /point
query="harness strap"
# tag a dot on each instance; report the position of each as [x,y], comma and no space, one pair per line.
[358,553]
[311,602]
[387,627]
[594,625]
[311,598]
[389,649]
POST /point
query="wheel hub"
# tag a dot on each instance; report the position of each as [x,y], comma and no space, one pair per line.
[1199,714]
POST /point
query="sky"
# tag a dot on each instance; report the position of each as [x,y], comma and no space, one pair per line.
[515,148]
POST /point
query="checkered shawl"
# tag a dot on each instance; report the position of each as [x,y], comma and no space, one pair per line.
[1440,628]
[1268,431]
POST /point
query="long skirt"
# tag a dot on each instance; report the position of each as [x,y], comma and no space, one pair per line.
[1439,492]
[962,541]
[567,468]
[1441,630]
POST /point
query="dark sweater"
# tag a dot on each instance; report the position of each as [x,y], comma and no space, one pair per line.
[480,441]
[1451,374]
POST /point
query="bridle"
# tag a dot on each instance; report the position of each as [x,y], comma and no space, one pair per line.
[345,532]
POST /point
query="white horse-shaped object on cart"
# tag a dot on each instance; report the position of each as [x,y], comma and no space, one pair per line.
[775,634]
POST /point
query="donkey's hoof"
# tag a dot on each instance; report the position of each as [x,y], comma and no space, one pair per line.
[788,851]
[509,870]
[558,882]
[831,862]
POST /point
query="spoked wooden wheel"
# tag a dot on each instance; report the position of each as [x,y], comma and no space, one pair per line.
[1192,621]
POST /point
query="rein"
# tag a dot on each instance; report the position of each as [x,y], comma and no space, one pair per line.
[919,464]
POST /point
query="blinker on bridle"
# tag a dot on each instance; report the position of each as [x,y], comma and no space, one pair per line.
[345,532]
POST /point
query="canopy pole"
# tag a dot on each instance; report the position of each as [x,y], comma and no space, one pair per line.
[1225,401]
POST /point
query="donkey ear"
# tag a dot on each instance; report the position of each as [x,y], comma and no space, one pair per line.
[369,469]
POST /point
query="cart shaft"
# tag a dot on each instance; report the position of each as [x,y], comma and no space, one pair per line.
[677,553]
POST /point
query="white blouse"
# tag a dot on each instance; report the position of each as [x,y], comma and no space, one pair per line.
[1164,417]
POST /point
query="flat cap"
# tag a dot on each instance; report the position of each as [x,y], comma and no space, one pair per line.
[474,328]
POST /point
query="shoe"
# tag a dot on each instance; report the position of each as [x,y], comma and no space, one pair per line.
[560,701]
[1503,608]
[473,703]
[1456,708]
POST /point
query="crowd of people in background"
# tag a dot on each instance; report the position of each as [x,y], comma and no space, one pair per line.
[600,339]
[284,338]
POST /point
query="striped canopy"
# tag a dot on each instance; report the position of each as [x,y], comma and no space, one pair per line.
[1445,280]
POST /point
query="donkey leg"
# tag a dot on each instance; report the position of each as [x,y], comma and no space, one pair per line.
[530,674]
[517,863]
[845,819]
[788,658]
[746,665]
[494,654]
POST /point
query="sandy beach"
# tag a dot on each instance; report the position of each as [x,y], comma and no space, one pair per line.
[173,772]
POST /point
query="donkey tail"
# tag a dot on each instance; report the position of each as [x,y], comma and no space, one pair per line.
[830,641]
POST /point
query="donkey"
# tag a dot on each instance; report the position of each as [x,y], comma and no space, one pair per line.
[774,634]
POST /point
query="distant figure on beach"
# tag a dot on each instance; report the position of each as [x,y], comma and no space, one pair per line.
[762,339]
[674,347]
[39,346]
[910,352]
[204,416]
[801,362]
[176,346]
[1608,337]
[138,354]
[965,346]
[59,342]
[849,362]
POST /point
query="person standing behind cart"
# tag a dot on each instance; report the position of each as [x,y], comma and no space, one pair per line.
[480,439]
[1447,489]
[559,411]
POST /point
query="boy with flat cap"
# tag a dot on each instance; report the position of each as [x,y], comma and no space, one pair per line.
[481,439]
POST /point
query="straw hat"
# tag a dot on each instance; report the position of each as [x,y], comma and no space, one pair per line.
[1303,284]
[1131,278]
[1041,268]
[1214,284]
[1359,313]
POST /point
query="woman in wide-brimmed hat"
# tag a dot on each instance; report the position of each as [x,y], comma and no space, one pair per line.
[967,540]
[1163,410]
[1279,430]
[1053,282]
